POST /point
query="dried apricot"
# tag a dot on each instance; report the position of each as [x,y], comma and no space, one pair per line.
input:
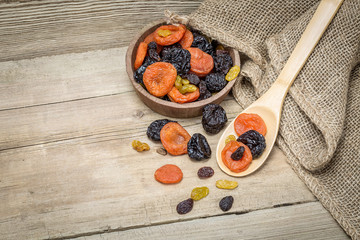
[199,193]
[140,55]
[169,34]
[174,138]
[236,165]
[176,96]
[159,78]
[249,121]
[201,63]
[187,39]
[226,184]
[168,174]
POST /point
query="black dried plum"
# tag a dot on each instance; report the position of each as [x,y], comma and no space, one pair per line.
[198,148]
[166,48]
[215,82]
[204,92]
[202,43]
[238,154]
[255,141]
[214,118]
[152,45]
[226,203]
[153,131]
[205,172]
[185,206]
[193,79]
[138,74]
[222,62]
[178,57]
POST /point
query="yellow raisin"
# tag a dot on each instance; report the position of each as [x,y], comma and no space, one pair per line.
[220,47]
[139,146]
[226,184]
[199,193]
[229,139]
[178,82]
[164,33]
[187,88]
[233,73]
[185,81]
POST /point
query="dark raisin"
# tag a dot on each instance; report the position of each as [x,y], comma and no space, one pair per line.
[153,131]
[214,118]
[255,141]
[138,74]
[205,172]
[215,82]
[166,98]
[222,62]
[202,43]
[198,148]
[226,203]
[238,154]
[166,48]
[178,57]
[185,206]
[152,45]
[204,92]
[193,79]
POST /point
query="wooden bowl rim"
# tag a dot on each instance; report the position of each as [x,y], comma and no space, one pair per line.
[141,90]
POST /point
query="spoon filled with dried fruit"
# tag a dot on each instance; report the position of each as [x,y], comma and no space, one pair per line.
[247,141]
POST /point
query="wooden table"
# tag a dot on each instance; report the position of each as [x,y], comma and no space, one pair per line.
[68,114]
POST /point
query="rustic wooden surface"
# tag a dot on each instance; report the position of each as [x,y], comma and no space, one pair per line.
[67,169]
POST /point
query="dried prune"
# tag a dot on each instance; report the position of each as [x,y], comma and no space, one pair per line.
[214,118]
[193,79]
[204,92]
[138,74]
[153,130]
[152,51]
[198,148]
[178,57]
[222,61]
[226,203]
[202,43]
[255,141]
[226,184]
[185,206]
[238,154]
[215,82]
[199,193]
[205,172]
[233,73]
[167,48]
[139,146]
[229,139]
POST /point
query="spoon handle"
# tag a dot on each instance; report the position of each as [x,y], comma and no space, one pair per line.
[311,36]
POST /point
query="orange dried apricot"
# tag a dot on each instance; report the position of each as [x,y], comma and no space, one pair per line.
[168,174]
[140,55]
[187,39]
[174,138]
[159,78]
[176,96]
[174,34]
[236,165]
[201,63]
[249,121]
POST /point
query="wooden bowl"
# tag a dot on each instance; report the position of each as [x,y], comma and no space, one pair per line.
[163,107]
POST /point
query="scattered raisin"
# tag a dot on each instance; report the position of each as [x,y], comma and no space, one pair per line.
[153,131]
[185,206]
[222,61]
[204,92]
[230,138]
[139,146]
[202,43]
[215,82]
[214,118]
[199,193]
[226,184]
[178,57]
[205,172]
[255,141]
[226,203]
[198,148]
[238,154]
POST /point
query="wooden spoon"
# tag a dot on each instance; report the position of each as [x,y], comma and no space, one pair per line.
[269,105]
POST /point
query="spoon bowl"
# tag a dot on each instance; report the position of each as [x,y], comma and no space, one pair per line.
[269,106]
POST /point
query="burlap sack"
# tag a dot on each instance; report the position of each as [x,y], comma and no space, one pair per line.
[320,124]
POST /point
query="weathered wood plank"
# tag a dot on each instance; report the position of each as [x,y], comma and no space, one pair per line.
[42,28]
[96,184]
[302,221]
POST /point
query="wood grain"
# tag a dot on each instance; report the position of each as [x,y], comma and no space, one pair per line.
[42,28]
[300,221]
